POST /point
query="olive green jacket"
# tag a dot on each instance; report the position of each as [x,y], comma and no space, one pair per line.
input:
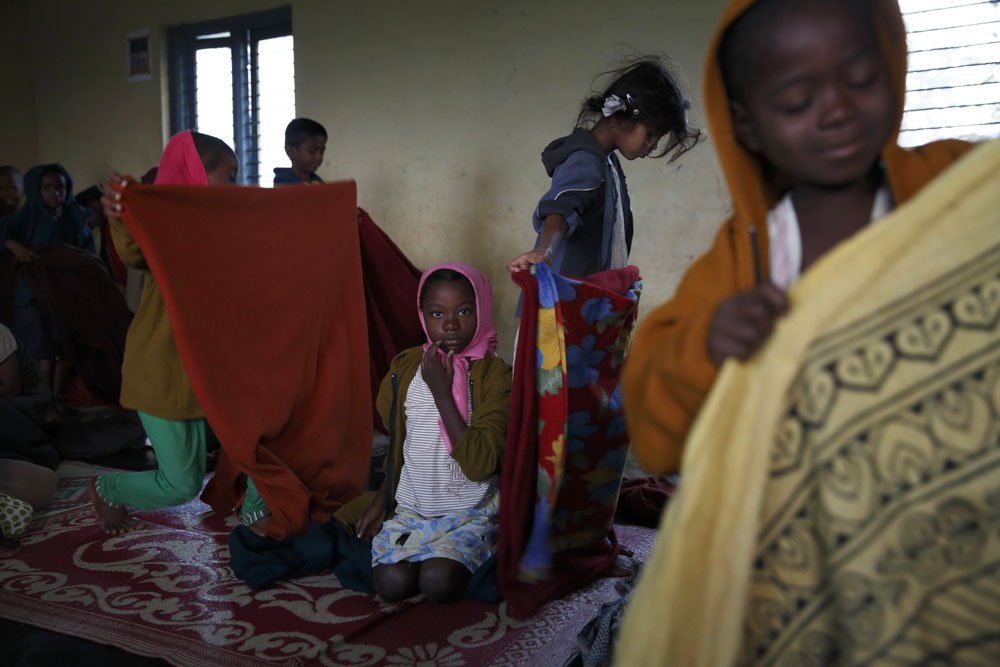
[153,378]
[480,450]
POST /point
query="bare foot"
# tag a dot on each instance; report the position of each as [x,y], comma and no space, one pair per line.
[113,520]
[621,567]
[260,525]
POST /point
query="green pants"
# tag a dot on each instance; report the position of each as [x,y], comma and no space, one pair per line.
[180,455]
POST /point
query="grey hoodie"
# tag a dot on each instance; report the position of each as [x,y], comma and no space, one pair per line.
[582,191]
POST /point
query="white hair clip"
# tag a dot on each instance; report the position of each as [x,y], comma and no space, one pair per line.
[612,104]
[631,103]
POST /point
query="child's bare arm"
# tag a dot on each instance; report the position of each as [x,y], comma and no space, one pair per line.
[554,230]
[742,323]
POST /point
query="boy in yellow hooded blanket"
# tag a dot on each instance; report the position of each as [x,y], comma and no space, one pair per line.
[838,488]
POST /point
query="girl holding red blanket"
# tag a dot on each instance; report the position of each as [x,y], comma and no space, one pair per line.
[154,382]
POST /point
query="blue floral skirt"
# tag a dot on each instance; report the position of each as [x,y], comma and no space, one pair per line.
[469,536]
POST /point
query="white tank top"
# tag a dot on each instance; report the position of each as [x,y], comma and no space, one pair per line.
[432,483]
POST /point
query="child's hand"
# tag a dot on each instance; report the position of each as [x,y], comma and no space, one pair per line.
[529,259]
[111,195]
[437,374]
[371,521]
[742,323]
[21,252]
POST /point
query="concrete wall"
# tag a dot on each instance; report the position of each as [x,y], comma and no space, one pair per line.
[18,123]
[439,110]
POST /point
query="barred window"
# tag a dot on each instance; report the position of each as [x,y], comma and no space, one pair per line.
[953,85]
[234,78]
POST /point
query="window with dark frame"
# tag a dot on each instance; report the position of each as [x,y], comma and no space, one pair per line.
[953,84]
[234,78]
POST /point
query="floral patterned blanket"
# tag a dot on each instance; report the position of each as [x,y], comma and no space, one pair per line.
[567,444]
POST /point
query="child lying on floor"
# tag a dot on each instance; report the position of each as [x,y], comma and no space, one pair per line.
[434,520]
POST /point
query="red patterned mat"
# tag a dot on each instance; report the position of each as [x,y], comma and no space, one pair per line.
[168,592]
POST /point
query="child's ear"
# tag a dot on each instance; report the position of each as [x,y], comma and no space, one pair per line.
[743,127]
[289,150]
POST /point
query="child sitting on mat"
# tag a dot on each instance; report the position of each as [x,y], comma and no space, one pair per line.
[434,520]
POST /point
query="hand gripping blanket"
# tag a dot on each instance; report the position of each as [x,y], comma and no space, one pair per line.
[263,289]
[566,442]
[841,491]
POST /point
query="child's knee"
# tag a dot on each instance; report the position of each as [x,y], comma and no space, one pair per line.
[395,582]
[443,580]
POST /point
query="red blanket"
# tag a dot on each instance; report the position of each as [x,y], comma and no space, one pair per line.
[390,295]
[264,293]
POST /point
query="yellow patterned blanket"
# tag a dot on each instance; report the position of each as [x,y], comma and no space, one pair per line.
[840,501]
